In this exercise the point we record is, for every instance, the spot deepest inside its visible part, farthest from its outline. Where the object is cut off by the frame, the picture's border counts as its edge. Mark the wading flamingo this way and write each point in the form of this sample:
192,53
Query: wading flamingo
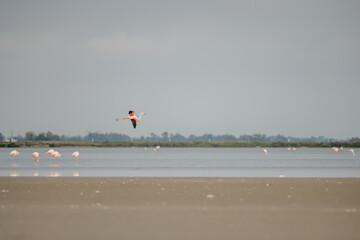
54,154
75,155
36,156
352,151
132,117
265,151
51,151
57,155
335,149
14,153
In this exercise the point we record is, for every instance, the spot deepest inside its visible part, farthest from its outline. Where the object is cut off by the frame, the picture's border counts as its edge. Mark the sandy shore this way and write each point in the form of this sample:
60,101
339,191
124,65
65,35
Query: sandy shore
179,208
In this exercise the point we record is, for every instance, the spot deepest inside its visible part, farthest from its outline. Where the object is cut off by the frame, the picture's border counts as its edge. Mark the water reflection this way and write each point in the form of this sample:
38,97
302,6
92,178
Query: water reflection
14,174
187,162
53,174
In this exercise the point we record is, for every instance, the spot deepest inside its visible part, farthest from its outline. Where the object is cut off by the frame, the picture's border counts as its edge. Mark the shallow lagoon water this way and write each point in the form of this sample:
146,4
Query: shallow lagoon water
184,162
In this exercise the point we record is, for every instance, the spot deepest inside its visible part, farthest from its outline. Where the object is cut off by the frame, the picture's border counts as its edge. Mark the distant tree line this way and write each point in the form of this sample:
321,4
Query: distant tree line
165,136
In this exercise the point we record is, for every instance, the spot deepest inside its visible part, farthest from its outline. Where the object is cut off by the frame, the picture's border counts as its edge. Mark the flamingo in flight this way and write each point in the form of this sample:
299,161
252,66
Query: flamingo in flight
132,117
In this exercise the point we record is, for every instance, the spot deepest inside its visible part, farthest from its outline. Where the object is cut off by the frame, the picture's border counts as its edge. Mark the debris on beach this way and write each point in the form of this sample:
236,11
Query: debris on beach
210,196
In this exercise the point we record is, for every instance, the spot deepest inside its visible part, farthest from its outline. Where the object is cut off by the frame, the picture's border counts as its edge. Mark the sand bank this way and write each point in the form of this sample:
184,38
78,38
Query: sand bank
179,208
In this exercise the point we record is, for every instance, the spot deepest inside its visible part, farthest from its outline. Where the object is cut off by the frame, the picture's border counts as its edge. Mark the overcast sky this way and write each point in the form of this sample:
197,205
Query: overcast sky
222,67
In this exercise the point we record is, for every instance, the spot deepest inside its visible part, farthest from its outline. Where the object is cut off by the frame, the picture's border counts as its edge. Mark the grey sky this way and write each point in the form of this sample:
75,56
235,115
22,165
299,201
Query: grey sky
236,67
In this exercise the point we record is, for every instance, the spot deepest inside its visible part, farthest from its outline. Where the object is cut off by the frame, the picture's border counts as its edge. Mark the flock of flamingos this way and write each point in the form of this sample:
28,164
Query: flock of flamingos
334,149
56,154
51,152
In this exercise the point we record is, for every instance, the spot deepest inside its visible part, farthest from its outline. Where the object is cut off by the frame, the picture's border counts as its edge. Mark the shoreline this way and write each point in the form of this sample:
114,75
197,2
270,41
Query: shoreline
179,208
178,144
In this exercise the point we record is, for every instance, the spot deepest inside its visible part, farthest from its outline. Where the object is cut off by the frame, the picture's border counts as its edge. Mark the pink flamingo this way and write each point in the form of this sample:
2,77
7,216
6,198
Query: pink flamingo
51,151
265,151
75,155
36,157
55,154
132,117
352,151
335,149
14,153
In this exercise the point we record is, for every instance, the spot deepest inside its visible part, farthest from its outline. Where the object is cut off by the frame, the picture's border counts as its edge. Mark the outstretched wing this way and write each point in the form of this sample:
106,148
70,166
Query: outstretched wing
134,122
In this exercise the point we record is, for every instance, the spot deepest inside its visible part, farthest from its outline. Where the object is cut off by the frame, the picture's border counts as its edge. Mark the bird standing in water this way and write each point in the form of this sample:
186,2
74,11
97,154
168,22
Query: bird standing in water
13,154
132,117
75,155
36,157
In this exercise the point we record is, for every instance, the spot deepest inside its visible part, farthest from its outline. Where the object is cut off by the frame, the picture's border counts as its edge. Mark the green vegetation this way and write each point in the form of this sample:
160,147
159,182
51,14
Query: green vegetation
185,144
51,140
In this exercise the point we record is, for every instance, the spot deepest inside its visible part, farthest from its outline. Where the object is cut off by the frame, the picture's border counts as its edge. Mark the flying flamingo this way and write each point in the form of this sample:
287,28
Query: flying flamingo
75,155
265,151
14,153
352,151
51,151
36,156
132,117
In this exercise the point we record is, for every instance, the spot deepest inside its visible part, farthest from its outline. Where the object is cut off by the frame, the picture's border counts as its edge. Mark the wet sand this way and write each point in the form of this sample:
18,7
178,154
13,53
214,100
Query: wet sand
179,208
